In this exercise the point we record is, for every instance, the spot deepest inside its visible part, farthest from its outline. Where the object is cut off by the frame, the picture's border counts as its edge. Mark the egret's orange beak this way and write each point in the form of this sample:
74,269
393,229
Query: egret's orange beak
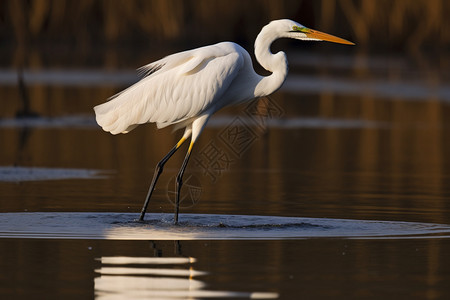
315,34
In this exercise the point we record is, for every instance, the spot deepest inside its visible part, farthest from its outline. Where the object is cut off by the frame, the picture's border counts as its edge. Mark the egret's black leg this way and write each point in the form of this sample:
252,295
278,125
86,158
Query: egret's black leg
158,171
180,182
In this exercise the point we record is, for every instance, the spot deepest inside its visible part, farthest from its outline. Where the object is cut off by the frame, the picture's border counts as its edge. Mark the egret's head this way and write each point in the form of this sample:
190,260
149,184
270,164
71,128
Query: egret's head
290,29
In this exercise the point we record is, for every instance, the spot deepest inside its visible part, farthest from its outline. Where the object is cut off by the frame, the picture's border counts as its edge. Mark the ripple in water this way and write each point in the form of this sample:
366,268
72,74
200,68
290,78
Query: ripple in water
124,226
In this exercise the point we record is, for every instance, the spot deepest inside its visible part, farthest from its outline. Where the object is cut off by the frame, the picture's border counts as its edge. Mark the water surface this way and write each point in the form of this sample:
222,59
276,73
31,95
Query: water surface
371,155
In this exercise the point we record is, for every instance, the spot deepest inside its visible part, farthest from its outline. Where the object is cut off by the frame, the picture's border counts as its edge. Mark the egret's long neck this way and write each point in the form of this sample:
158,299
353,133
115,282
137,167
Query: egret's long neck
275,63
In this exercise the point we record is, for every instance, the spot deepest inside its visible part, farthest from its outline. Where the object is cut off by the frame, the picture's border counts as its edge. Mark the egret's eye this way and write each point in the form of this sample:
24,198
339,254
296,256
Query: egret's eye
300,29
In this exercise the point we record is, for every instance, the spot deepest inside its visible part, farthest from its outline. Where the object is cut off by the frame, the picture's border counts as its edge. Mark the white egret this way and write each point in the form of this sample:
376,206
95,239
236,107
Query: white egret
186,88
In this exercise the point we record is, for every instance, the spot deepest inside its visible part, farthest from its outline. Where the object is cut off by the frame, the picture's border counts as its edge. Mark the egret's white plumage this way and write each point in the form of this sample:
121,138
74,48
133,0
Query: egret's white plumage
183,86
186,88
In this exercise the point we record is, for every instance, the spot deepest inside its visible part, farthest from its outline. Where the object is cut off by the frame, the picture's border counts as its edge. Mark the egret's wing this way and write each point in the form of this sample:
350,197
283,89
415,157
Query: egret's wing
184,86
187,59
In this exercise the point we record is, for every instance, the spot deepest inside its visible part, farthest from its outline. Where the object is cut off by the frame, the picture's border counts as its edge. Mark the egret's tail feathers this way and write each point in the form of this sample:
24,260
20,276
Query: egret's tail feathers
112,118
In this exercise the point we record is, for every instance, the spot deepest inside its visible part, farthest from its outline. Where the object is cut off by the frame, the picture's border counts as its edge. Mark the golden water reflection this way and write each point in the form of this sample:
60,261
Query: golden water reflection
349,269
158,277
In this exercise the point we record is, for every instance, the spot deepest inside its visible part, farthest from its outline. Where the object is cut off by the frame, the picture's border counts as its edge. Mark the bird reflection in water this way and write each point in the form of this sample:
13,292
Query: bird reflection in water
125,277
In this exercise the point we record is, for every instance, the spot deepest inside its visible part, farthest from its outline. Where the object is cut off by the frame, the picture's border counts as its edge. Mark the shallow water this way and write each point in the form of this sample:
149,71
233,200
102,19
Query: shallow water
125,226
345,187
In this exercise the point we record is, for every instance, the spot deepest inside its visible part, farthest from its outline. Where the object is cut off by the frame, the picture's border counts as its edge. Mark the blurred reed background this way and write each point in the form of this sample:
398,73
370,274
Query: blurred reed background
117,35
57,30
